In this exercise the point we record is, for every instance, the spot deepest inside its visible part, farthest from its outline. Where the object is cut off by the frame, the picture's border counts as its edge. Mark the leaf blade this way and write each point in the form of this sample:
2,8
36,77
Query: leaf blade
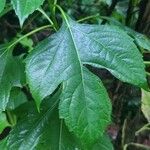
60,58
9,76
112,49
2,5
85,107
24,8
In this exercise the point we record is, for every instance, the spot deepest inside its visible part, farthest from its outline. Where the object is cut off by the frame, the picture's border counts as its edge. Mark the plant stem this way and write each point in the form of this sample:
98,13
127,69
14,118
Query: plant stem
147,73
46,16
144,128
88,17
11,118
80,20
52,7
63,13
137,145
147,62
28,34
123,132
129,13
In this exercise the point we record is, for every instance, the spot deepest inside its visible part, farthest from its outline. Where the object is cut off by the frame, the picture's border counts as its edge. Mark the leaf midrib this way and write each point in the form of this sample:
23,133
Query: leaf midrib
108,68
81,68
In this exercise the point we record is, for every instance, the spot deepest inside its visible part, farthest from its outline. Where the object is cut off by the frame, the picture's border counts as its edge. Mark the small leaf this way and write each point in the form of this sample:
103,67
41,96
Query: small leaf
140,39
56,136
17,97
9,75
2,5
3,122
26,134
24,8
85,106
146,104
26,42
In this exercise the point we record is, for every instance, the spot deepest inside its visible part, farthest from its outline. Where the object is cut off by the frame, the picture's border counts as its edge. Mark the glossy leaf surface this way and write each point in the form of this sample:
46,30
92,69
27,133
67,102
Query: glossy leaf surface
26,134
60,58
85,106
9,75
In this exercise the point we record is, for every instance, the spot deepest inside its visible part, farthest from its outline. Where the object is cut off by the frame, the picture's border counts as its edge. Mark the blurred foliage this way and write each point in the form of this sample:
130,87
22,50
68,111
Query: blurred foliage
129,125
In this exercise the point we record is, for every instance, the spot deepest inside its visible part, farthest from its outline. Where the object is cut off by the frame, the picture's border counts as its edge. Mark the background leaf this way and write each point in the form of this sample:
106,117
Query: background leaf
24,8
3,144
3,122
140,39
56,136
9,75
25,135
17,97
2,5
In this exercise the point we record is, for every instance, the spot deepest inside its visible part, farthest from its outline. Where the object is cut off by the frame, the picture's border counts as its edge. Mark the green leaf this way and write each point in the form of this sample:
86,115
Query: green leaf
3,144
85,106
2,5
35,131
90,2
57,58
56,136
87,2
140,39
9,75
111,48
26,42
17,97
3,122
146,104
24,8
60,58
103,144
